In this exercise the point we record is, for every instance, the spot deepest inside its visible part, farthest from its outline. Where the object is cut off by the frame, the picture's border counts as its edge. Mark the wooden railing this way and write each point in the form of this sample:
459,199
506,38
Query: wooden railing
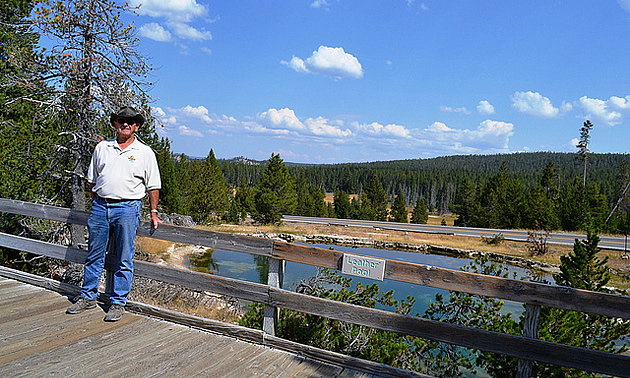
527,348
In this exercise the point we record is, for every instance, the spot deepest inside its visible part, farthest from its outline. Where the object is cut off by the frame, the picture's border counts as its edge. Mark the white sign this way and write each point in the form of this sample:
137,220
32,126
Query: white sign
362,266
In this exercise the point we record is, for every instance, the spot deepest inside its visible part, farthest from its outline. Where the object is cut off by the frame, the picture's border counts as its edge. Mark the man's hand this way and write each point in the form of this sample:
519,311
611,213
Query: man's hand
155,220
154,196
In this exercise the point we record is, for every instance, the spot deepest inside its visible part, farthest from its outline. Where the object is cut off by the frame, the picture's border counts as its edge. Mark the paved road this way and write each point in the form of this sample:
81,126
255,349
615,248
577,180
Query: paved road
559,238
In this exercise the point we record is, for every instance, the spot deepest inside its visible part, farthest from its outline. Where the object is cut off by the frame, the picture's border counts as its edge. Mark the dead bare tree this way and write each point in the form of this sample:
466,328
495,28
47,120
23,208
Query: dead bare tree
93,66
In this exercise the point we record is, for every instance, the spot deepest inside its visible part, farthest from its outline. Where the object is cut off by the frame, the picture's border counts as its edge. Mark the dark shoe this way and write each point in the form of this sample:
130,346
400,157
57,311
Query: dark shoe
80,304
115,313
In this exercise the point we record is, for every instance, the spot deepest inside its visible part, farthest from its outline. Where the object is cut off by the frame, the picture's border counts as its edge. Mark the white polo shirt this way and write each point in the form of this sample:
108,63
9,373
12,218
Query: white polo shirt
123,174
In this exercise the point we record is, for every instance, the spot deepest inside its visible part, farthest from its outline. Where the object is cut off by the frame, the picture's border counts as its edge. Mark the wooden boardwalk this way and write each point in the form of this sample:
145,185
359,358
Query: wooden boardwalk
38,339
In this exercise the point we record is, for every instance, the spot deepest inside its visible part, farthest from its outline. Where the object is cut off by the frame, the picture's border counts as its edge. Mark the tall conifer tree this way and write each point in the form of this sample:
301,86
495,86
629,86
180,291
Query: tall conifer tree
399,209
275,194
377,198
420,214
209,194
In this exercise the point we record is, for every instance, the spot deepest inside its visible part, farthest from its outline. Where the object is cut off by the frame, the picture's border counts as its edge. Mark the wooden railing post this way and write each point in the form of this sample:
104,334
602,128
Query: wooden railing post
530,330
276,275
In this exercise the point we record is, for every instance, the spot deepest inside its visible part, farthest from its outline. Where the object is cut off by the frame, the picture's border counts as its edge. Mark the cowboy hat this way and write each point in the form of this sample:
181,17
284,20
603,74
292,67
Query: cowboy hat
127,112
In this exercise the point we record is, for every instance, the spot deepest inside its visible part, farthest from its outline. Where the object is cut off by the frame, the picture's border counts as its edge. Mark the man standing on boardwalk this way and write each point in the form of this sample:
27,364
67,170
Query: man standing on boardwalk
120,171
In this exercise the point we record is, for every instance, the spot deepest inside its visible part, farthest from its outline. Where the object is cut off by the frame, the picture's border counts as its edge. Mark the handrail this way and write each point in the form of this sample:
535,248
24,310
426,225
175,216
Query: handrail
561,297
520,347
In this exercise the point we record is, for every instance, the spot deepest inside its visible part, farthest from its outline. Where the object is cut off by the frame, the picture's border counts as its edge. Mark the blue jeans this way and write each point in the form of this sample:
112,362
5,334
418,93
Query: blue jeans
121,220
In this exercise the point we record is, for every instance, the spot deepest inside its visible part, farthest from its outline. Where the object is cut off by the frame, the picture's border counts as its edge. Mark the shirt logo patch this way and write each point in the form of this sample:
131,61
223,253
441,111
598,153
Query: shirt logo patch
132,158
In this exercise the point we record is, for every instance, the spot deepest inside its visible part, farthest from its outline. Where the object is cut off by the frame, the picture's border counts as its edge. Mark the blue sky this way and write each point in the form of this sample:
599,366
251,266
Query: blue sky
335,81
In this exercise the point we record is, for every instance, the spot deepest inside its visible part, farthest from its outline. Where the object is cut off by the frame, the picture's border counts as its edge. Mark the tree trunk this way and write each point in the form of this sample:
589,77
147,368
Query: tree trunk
84,103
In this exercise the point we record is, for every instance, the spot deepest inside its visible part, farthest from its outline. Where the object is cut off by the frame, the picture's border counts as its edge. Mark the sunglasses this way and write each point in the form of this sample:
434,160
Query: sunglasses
127,121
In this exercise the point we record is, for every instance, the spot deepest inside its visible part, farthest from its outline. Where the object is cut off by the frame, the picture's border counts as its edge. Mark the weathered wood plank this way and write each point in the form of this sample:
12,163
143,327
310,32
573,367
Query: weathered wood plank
83,345
201,281
244,333
98,349
167,359
516,346
252,335
60,214
497,287
324,258
269,364
149,357
54,340
185,235
206,360
490,286
210,239
241,355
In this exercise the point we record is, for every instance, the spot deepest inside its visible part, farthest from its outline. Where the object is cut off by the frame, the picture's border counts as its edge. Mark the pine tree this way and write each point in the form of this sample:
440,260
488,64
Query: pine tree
399,209
573,206
275,194
28,133
209,195
467,205
364,208
341,202
420,214
245,198
377,198
582,145
582,269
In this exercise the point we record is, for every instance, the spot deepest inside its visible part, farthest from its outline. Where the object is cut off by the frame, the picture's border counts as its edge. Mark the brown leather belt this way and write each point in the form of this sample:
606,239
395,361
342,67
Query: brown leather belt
110,200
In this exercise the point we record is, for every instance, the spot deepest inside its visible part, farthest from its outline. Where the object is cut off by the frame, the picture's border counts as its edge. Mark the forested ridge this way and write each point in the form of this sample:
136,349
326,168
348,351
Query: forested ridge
425,173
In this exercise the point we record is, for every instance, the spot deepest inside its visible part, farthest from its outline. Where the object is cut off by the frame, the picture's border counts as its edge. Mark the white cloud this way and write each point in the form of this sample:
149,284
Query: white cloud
320,4
376,129
200,113
177,13
281,119
175,10
600,110
185,130
494,129
320,126
620,103
438,127
329,61
155,32
485,107
535,104
489,137
185,31
296,64
449,109
162,117
314,133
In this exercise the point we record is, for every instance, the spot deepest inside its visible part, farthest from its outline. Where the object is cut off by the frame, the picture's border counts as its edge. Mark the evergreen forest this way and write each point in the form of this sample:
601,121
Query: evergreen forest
540,190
